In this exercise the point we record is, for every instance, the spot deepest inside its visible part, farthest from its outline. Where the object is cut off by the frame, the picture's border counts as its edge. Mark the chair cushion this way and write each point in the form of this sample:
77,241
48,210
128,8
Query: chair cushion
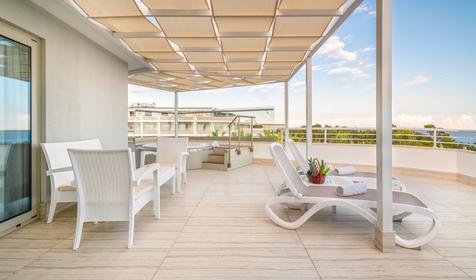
68,187
144,186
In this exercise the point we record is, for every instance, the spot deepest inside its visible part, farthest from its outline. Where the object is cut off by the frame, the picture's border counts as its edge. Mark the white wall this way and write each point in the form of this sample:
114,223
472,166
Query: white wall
467,163
84,87
429,159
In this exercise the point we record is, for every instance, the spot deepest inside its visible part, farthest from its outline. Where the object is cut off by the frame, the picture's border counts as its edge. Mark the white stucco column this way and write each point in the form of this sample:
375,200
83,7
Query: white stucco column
286,112
176,118
384,233
308,106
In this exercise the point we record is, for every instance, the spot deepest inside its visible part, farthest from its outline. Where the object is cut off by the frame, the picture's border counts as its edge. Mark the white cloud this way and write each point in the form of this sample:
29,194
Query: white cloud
345,70
355,72
410,120
364,9
15,122
368,49
297,83
266,88
353,121
335,48
317,67
418,80
462,122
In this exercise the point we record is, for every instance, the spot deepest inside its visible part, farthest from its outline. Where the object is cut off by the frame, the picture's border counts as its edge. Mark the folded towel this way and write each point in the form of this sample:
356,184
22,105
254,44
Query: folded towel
351,189
340,181
346,170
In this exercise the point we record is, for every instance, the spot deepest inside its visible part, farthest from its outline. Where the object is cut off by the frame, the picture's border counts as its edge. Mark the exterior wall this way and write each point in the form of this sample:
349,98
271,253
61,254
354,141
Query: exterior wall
83,86
429,159
426,159
467,163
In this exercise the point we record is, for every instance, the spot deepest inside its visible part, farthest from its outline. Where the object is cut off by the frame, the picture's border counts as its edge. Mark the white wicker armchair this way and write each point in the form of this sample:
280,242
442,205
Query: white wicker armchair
63,186
110,190
173,152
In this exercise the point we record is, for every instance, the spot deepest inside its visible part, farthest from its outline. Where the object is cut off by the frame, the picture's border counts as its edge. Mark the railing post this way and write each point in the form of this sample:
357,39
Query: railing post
176,117
325,135
229,145
435,139
158,125
142,127
286,115
308,107
251,149
239,135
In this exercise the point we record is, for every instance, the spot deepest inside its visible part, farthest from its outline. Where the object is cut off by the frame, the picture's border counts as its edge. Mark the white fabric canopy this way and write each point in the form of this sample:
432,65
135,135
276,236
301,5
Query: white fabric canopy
206,44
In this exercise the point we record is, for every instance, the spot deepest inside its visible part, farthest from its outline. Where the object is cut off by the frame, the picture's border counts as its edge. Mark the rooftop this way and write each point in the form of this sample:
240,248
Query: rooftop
222,225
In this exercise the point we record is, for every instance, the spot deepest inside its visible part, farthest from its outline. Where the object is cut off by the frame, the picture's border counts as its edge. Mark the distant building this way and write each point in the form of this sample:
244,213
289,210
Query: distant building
147,119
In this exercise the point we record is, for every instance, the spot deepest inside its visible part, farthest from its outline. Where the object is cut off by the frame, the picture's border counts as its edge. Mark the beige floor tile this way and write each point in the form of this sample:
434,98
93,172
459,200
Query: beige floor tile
389,269
216,228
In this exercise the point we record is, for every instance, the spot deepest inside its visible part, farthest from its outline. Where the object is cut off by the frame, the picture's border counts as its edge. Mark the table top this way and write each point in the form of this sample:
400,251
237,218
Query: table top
192,147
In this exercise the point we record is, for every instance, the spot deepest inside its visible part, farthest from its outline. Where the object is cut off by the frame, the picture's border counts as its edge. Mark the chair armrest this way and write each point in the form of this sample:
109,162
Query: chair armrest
141,173
58,170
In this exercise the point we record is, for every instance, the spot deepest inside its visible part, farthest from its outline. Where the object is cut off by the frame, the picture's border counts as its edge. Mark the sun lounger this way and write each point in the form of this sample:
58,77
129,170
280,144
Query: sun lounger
322,197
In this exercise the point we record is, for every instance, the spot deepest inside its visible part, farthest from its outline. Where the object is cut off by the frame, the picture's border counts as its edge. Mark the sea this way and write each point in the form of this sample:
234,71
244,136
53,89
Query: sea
464,136
14,136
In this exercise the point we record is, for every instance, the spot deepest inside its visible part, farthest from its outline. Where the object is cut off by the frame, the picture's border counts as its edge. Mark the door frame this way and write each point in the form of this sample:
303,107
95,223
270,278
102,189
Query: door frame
33,42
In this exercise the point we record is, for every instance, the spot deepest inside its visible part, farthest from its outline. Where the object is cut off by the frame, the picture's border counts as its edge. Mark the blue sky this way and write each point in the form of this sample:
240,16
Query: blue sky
434,45
14,112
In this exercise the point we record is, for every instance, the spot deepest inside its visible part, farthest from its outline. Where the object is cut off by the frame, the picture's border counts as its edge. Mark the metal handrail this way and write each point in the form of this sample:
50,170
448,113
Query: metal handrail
420,136
237,119
432,135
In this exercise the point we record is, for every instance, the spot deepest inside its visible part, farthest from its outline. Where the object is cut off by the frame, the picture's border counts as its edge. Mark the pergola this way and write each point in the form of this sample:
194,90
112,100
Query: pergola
193,45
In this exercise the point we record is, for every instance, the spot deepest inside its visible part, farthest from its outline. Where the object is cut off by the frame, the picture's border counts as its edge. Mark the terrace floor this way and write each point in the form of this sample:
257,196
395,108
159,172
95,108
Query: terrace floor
217,229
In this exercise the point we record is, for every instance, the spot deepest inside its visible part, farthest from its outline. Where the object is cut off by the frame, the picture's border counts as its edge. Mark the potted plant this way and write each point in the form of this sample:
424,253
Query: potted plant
318,170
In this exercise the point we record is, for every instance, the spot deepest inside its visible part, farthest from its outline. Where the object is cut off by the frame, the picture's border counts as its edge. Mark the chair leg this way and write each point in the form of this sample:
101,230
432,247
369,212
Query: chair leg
174,185
51,212
156,197
184,173
178,178
77,236
157,204
131,232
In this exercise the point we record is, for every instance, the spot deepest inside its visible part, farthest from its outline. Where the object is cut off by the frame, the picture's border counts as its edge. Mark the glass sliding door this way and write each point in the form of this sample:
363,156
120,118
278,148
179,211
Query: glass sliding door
16,161
15,129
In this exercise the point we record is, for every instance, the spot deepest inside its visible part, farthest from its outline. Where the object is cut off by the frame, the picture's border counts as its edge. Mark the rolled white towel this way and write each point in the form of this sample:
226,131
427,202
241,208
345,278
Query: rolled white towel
351,189
215,144
346,170
340,181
